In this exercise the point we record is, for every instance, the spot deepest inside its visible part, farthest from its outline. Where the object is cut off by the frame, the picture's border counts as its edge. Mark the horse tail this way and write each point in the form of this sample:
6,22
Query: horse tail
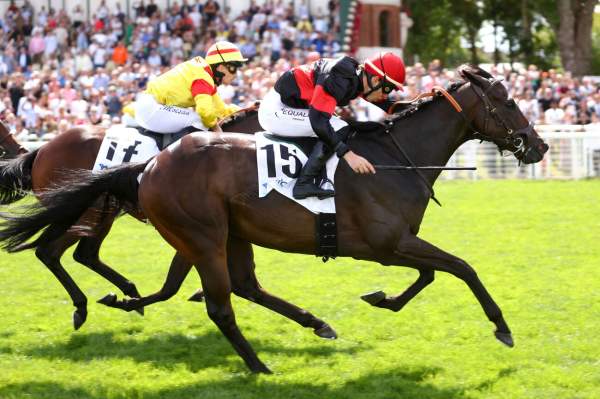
15,177
61,207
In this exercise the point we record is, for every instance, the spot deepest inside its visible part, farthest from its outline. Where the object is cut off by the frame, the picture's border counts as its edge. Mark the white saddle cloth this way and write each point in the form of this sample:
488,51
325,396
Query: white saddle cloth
123,144
279,164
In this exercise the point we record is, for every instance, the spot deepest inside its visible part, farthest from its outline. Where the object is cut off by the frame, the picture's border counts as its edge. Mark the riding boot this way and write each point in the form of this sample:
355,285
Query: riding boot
306,184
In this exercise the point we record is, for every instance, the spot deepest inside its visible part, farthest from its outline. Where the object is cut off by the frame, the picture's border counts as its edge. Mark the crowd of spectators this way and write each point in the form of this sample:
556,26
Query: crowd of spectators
58,69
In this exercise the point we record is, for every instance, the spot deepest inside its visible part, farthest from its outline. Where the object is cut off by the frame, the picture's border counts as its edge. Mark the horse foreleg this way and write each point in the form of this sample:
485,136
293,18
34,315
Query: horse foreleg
415,252
88,254
49,254
178,270
240,260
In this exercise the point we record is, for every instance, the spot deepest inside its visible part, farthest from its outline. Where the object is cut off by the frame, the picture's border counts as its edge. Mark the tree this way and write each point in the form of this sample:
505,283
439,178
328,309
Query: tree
572,22
436,32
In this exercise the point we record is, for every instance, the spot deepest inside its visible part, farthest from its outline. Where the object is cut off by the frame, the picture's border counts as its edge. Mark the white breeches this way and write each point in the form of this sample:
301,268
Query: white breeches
281,120
161,118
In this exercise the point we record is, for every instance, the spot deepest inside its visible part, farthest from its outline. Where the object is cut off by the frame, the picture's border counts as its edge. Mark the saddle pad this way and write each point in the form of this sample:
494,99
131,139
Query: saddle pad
123,144
279,164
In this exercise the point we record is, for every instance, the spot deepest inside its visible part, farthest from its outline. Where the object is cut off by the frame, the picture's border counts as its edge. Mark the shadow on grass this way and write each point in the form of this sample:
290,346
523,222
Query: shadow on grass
408,384
171,350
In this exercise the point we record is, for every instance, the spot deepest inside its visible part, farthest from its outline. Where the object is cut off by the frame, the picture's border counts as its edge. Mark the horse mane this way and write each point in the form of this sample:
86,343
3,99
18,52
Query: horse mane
423,103
235,118
463,71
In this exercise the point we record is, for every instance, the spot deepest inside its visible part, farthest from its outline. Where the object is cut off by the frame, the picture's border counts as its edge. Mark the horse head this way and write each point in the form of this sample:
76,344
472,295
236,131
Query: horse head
9,147
498,119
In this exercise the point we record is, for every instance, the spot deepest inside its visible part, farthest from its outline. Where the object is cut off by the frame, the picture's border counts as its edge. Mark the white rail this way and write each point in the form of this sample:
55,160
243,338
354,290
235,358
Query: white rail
574,154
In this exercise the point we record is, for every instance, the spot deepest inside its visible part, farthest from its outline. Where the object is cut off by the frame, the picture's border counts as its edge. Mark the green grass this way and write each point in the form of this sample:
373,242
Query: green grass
534,245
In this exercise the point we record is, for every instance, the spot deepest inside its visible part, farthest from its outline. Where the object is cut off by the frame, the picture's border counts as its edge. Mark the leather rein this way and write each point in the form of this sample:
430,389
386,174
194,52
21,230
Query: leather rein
490,110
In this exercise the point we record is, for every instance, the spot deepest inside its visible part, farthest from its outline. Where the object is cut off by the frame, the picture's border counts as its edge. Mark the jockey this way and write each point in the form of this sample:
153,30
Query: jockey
320,87
164,107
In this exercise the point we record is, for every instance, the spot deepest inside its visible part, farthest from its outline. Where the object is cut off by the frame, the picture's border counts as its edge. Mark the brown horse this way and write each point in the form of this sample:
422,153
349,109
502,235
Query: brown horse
378,215
44,168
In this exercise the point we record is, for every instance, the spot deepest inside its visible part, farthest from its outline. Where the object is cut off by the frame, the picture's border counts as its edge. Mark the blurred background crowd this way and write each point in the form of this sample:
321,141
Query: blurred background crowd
57,71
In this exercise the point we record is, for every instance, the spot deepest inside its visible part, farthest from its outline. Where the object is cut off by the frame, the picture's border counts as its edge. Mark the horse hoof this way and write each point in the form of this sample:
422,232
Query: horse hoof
505,338
79,317
326,332
108,300
261,368
197,297
373,298
140,311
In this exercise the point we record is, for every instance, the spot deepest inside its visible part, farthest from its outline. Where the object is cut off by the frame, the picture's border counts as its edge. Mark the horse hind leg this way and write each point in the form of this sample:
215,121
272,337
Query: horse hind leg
88,254
240,259
178,270
205,245
49,254
217,288
396,303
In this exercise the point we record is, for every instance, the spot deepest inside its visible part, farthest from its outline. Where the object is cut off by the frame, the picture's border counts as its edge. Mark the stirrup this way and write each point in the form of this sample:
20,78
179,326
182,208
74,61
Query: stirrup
311,190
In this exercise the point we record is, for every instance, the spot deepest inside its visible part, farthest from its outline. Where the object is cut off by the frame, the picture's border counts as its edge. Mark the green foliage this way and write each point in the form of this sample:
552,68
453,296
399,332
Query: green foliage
596,45
440,25
534,245
435,33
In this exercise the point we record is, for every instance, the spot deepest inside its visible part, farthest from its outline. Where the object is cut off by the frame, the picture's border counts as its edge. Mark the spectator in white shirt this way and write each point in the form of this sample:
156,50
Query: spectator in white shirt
554,115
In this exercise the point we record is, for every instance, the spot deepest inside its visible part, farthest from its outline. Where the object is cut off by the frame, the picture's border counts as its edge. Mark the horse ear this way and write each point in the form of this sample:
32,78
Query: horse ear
472,76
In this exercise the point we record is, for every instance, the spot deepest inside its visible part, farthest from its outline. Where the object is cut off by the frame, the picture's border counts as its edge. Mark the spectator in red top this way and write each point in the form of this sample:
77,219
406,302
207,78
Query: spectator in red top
119,55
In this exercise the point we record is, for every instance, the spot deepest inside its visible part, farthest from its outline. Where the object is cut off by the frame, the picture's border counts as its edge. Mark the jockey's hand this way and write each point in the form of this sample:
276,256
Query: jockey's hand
358,163
253,107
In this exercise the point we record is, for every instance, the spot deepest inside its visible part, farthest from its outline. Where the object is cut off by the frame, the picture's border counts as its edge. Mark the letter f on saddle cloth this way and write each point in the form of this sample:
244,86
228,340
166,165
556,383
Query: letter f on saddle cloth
320,87
186,95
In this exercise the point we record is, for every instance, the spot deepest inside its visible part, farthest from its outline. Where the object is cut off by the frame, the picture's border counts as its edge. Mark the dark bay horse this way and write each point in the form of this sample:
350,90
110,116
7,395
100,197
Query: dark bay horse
45,167
212,218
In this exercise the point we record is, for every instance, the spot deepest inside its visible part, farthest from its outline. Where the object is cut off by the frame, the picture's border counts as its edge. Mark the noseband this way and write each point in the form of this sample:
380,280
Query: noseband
513,136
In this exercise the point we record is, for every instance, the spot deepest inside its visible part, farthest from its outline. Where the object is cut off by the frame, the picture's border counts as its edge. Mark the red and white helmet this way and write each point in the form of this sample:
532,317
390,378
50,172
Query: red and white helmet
388,66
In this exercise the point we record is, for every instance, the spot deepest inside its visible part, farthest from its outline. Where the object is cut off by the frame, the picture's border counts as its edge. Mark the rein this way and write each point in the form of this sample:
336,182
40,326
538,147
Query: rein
436,90
490,110
234,115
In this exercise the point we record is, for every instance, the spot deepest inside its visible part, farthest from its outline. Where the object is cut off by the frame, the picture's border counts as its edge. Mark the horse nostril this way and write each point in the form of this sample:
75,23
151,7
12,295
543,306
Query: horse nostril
543,148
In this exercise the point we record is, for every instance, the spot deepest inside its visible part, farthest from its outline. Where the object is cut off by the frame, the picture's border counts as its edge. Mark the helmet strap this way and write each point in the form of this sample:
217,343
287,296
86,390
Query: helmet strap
217,75
370,84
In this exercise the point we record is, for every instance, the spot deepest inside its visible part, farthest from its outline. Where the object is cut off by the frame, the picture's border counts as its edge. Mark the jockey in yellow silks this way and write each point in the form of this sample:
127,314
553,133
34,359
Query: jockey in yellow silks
186,95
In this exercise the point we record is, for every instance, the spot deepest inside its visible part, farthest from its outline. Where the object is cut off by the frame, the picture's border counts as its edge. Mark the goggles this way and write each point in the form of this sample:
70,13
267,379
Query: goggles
233,66
387,87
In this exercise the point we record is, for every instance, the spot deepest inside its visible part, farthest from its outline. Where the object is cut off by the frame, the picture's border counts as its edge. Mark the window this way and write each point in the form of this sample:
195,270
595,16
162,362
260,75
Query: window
384,29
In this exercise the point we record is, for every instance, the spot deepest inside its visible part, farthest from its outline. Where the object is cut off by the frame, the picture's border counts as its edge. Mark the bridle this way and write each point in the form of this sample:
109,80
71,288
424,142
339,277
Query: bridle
514,137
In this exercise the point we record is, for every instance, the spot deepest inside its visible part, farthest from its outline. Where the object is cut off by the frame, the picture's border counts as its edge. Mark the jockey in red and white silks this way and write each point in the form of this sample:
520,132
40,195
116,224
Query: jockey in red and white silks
304,99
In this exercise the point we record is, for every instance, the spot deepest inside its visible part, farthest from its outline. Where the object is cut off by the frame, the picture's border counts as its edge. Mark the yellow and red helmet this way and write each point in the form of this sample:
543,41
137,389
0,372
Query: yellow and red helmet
224,52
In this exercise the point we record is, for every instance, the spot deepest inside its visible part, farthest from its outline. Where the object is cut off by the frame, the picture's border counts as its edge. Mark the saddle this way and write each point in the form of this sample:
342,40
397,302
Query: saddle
164,140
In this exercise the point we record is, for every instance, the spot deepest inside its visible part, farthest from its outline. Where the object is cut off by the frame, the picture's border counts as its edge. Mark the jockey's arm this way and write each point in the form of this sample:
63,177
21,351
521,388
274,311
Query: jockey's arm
222,109
206,110
321,125
321,107
320,110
